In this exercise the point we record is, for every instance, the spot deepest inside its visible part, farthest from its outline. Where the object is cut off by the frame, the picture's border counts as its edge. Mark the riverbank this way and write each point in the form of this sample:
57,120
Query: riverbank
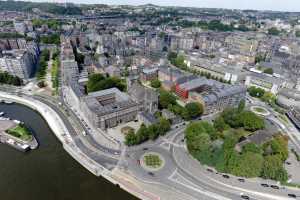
57,126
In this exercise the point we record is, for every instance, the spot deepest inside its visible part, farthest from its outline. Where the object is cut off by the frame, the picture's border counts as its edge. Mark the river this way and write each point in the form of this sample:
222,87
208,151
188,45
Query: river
47,173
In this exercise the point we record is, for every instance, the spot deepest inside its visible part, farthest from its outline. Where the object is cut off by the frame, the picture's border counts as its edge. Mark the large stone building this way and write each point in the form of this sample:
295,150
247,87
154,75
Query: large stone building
147,98
108,108
213,95
267,82
19,63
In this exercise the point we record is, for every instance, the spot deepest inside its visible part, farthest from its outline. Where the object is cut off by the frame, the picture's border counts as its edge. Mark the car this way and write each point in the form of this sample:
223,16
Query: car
138,162
288,163
225,176
245,197
145,149
182,140
292,195
275,187
151,173
264,185
241,180
209,170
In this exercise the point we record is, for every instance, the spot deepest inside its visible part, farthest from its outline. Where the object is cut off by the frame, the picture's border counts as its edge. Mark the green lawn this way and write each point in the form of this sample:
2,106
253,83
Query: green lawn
152,160
20,131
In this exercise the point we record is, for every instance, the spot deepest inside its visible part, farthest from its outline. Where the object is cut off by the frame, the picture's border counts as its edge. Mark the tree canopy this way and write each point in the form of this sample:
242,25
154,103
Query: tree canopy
166,99
145,133
98,82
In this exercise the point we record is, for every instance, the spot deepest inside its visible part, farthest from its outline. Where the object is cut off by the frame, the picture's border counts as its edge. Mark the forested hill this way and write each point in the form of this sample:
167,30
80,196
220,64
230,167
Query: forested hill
70,9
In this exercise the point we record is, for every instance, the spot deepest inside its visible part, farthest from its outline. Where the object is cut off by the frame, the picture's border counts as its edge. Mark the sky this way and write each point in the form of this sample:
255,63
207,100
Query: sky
277,5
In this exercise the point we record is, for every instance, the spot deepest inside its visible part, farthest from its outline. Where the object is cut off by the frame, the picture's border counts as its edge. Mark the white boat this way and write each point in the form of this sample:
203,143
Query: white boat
17,121
1,114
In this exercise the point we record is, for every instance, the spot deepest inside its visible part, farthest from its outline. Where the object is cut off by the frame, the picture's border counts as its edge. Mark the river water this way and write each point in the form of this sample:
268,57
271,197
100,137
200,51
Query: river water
47,173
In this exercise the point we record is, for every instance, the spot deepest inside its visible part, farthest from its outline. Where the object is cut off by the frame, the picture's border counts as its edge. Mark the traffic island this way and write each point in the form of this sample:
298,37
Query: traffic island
260,110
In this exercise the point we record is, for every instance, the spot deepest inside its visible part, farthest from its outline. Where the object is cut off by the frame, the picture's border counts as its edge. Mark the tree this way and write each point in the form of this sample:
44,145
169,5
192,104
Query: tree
260,57
249,165
142,134
153,131
155,83
297,33
231,117
195,129
163,126
250,121
130,139
279,145
273,31
194,109
98,82
268,97
268,71
166,98
241,106
200,142
41,84
273,168
6,78
251,147
256,92
220,124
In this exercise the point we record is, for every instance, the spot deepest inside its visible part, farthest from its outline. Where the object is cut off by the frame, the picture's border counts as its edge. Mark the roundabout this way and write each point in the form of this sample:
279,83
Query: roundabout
152,161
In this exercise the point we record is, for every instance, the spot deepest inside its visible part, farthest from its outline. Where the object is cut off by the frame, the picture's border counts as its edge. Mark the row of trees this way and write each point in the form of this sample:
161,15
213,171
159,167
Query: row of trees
215,25
98,82
6,78
51,23
42,65
55,74
145,133
216,145
178,61
51,39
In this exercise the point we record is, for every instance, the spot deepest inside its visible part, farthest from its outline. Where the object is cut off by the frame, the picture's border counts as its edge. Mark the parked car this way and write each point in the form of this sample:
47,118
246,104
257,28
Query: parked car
264,185
245,197
209,170
275,187
225,176
241,180
292,195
